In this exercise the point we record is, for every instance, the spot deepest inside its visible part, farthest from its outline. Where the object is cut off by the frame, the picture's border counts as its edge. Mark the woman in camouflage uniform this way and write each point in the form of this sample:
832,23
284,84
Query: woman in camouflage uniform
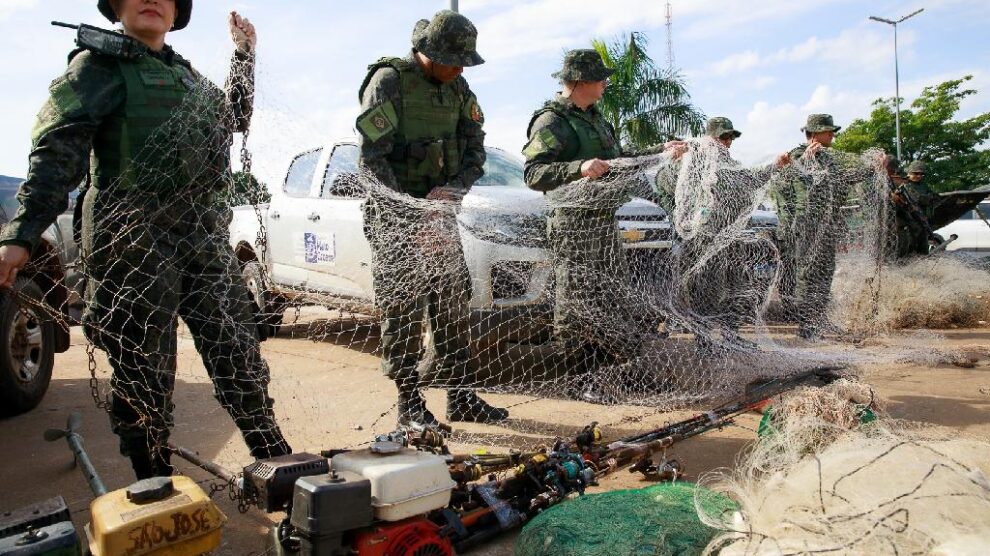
155,137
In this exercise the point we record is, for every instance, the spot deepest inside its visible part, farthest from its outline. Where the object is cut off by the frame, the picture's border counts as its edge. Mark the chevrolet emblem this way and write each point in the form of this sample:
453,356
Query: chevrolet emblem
633,235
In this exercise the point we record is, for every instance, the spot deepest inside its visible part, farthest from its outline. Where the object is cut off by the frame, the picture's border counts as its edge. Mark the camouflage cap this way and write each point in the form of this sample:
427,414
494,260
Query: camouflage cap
584,64
449,39
818,123
720,126
916,167
183,9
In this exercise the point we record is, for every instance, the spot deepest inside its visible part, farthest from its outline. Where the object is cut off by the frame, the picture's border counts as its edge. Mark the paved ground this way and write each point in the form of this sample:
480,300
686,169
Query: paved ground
326,391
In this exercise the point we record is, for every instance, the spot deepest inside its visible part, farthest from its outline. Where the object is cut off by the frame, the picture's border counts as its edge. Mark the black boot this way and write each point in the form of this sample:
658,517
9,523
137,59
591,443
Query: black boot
464,405
147,465
412,408
266,441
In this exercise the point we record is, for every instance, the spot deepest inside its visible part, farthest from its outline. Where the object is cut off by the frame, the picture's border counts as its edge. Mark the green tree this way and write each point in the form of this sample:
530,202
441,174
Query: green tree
953,150
646,105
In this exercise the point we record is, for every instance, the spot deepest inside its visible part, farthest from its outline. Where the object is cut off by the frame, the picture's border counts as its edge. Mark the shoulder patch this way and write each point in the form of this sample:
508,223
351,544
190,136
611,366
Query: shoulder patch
474,111
378,121
63,97
543,141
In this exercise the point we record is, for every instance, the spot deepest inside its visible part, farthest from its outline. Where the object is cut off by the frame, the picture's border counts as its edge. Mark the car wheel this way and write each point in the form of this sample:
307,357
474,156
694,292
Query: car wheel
27,349
269,307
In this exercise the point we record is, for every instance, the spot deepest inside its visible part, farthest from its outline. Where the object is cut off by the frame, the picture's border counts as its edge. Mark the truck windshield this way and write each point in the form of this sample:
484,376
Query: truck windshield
501,169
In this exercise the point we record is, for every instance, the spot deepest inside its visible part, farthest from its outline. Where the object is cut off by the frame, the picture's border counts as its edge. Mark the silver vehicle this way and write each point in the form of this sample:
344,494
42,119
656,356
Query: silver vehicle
502,227
30,335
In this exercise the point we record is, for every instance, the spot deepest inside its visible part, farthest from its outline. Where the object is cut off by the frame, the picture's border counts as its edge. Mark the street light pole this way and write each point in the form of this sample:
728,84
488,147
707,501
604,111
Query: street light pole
897,76
453,5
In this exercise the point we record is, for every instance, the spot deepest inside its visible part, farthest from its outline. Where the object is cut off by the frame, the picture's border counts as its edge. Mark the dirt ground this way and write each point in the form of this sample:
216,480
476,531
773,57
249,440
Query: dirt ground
331,396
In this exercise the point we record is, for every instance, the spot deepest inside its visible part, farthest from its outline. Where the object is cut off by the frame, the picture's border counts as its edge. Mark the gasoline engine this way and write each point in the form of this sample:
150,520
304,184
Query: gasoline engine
370,502
163,516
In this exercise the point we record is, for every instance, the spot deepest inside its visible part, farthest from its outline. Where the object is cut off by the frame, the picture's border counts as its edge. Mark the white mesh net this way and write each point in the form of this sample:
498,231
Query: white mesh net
590,296
823,482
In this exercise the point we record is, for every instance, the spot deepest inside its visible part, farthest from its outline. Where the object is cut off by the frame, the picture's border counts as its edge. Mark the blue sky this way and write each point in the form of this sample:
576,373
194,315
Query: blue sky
765,65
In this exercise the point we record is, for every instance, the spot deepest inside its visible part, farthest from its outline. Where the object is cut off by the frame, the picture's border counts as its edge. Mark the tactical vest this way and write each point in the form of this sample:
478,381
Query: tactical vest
427,151
166,137
595,138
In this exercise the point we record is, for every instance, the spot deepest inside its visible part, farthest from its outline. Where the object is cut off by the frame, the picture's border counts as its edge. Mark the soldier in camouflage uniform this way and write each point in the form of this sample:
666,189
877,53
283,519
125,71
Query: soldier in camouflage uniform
158,135
721,289
912,235
421,136
569,139
812,223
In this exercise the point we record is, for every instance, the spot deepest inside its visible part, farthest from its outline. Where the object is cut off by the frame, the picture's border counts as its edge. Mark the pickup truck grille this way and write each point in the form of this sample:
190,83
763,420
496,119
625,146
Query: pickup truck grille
633,234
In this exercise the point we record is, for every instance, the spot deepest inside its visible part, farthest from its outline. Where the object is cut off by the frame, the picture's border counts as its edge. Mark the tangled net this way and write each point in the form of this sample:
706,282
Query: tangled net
671,270
936,292
815,486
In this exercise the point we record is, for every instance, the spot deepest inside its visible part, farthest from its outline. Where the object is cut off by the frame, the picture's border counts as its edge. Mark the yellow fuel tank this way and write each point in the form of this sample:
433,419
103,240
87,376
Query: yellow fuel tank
153,519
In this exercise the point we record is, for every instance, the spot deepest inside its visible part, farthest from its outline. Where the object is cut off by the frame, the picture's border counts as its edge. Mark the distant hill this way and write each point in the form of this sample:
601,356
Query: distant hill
6,181
8,203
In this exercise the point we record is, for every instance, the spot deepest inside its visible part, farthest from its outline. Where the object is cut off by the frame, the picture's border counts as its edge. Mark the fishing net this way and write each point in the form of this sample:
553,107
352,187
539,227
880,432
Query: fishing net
658,520
936,292
665,284
880,488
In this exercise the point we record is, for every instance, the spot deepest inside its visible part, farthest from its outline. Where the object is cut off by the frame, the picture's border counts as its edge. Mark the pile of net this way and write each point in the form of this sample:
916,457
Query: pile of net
659,520
646,288
820,483
935,292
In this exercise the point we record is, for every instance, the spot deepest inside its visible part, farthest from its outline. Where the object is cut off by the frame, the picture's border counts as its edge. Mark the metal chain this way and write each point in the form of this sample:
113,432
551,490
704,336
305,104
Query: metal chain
261,240
94,383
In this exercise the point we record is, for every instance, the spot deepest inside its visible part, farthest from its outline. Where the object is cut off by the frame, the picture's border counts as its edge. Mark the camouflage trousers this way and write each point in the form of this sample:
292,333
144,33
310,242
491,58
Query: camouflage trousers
150,261
718,288
593,305
814,256
909,239
420,279
787,271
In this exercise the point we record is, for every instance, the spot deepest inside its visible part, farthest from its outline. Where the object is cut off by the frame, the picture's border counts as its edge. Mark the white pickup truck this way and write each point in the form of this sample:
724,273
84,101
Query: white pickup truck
315,251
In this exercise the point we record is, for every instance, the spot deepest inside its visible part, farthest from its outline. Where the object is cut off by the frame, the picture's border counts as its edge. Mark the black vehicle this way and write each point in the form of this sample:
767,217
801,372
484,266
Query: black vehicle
32,332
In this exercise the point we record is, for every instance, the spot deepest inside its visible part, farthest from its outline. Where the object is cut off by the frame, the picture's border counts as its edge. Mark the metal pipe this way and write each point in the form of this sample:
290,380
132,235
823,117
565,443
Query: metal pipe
89,471
75,441
897,97
897,76
206,465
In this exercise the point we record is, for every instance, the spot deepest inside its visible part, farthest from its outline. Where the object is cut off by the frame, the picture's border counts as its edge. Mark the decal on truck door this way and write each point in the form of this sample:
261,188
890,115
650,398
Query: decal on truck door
319,248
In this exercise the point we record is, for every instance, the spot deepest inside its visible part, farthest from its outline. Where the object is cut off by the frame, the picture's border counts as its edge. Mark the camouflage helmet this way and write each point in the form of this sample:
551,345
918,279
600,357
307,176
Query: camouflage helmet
183,11
916,167
720,126
584,64
449,39
818,123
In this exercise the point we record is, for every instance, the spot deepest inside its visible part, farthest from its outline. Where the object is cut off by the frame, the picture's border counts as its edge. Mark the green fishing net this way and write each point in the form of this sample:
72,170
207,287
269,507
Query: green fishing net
658,520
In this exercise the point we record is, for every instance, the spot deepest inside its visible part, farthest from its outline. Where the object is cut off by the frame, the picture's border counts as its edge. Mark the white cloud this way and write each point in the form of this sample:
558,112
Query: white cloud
857,50
736,63
770,129
8,7
560,24
716,19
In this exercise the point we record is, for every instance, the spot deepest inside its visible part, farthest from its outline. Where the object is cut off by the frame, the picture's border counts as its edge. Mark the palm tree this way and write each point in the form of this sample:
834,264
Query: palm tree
646,105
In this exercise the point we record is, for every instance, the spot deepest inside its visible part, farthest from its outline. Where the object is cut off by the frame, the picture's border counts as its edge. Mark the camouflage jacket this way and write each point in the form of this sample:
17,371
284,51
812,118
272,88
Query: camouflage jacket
383,87
90,91
922,196
796,192
551,150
